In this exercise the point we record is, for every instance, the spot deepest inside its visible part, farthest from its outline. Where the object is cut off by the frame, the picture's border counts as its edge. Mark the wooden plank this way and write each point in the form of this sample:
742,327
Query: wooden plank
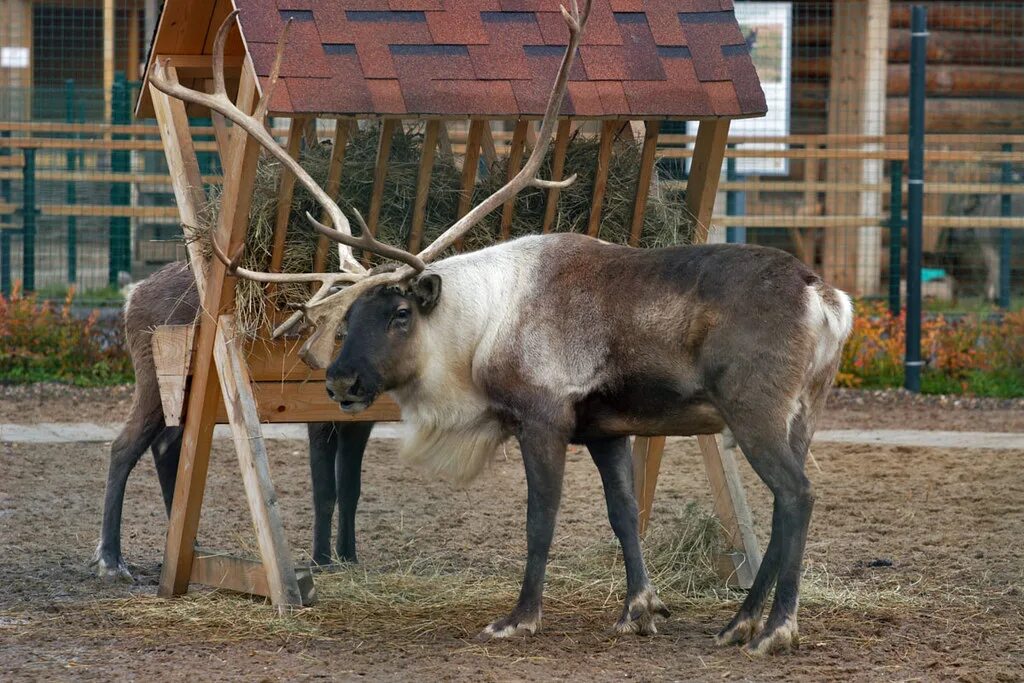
730,503
643,181
705,170
426,169
205,391
285,192
557,168
300,402
244,575
251,449
108,58
172,358
515,161
647,453
380,172
604,157
487,146
470,165
333,186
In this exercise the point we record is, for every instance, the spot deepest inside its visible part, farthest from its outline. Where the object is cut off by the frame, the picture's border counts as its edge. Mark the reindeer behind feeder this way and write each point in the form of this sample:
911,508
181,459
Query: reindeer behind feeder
560,338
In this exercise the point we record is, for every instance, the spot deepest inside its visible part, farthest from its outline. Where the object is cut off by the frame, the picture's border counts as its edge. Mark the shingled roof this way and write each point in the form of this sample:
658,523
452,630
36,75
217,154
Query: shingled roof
498,58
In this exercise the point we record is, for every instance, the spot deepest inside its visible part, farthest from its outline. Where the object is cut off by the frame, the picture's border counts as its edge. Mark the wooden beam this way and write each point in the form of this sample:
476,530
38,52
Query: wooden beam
243,575
730,503
285,192
490,152
646,465
254,464
205,392
604,156
380,171
134,54
333,186
426,169
108,58
515,160
557,168
470,165
705,169
643,181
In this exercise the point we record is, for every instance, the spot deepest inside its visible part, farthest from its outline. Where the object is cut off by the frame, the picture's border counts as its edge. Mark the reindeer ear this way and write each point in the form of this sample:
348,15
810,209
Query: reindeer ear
426,289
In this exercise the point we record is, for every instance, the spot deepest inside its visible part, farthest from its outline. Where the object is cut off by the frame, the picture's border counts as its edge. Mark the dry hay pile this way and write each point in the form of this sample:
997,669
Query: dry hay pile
666,220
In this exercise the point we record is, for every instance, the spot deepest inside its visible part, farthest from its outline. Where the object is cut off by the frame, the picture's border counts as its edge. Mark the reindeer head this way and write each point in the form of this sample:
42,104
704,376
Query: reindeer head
381,309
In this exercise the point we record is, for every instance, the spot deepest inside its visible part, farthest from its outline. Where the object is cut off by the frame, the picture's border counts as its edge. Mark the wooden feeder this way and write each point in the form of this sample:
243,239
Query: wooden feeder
641,61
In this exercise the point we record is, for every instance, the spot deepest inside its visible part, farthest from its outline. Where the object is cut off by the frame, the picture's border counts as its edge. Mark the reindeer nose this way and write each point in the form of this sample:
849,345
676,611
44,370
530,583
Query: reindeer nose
345,388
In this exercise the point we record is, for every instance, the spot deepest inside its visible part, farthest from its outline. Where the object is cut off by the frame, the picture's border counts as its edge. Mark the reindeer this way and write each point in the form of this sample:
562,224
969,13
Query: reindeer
169,297
557,339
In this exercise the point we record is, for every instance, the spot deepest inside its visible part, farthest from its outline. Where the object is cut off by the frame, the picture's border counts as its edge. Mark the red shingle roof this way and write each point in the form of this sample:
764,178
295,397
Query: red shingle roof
639,58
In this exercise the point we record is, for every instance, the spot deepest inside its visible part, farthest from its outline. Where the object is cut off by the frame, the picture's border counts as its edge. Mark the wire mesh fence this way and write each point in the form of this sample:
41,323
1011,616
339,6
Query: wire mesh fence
85,199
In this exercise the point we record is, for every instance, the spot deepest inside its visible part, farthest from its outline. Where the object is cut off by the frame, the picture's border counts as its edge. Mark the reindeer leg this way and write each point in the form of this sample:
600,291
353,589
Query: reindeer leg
349,463
614,461
544,458
166,451
778,459
323,448
144,422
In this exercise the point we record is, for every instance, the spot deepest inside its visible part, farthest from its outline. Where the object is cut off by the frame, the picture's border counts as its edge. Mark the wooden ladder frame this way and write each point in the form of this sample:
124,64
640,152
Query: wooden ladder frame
245,384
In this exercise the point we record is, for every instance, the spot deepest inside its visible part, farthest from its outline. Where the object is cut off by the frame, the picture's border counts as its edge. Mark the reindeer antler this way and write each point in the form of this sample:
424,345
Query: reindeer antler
326,310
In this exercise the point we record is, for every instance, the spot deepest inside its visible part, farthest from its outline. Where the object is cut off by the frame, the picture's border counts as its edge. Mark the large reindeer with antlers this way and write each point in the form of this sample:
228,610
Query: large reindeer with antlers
559,339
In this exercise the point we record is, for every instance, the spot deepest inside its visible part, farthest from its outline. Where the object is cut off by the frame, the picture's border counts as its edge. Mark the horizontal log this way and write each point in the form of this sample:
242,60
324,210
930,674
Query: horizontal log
243,575
989,18
949,47
788,220
954,115
960,80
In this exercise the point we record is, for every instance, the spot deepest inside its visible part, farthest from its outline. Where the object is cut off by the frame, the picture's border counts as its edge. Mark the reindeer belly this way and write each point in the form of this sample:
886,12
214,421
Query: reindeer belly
646,406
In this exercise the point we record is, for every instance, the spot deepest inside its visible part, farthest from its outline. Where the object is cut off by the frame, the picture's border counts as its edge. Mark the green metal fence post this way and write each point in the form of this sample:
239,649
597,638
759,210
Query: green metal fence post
5,226
895,233
120,193
1005,235
28,221
915,196
70,192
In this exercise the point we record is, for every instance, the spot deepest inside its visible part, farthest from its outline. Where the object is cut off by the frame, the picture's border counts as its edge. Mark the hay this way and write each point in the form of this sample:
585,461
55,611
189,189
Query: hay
666,220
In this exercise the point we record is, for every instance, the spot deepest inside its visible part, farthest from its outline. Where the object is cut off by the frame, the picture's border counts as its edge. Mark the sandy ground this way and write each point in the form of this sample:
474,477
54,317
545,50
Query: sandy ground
950,606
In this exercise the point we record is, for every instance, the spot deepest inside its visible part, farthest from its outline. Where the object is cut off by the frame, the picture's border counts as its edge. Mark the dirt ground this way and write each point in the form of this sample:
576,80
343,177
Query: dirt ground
914,566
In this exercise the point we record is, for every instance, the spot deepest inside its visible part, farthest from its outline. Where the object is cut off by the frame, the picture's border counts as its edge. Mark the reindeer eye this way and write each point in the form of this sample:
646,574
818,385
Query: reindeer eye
402,314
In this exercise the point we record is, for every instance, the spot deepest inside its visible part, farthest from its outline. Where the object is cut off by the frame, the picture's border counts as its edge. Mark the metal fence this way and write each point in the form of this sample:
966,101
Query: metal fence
84,197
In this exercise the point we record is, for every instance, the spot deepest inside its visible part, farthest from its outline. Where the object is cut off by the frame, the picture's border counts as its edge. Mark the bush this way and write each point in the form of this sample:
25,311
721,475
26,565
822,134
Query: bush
968,355
41,343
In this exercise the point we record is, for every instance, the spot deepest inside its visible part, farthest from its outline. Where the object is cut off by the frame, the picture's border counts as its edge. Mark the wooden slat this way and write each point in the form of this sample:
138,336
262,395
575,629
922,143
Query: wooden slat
380,172
604,156
515,160
643,181
244,575
244,419
557,168
301,402
470,165
704,172
333,186
285,191
419,209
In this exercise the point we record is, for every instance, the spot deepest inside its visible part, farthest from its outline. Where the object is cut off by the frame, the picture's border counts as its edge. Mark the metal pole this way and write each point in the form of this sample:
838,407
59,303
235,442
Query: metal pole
895,233
28,221
915,196
119,259
5,226
70,192
1005,235
735,204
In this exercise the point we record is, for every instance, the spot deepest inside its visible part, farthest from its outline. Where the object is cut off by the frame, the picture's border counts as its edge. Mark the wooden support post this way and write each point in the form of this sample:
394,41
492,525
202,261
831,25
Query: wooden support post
643,181
205,394
337,164
646,465
515,160
487,147
253,461
108,58
470,164
604,157
380,174
730,503
705,169
419,209
285,191
134,55
557,168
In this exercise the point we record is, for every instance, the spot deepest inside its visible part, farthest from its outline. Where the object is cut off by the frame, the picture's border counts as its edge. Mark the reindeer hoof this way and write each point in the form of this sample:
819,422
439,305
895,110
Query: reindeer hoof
782,638
739,631
511,626
642,613
111,568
